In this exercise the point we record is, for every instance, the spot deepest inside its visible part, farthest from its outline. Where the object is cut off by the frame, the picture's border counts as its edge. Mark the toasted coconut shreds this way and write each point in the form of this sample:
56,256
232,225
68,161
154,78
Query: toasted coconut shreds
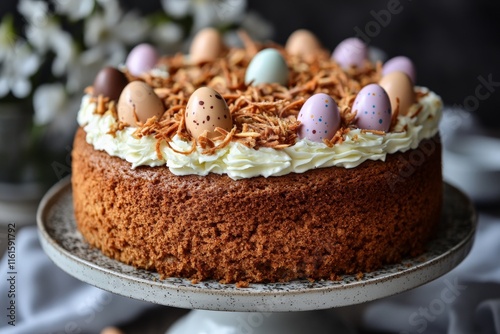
375,132
117,127
395,114
264,115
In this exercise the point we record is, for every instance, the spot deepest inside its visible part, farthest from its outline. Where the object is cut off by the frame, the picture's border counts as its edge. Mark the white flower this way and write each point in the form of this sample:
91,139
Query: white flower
75,9
7,37
17,67
57,112
51,37
167,35
48,101
34,12
257,27
131,29
85,67
206,12
229,11
112,9
107,35
113,25
254,25
177,8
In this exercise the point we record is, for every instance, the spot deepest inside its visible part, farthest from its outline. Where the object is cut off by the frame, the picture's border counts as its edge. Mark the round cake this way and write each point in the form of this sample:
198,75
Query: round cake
258,164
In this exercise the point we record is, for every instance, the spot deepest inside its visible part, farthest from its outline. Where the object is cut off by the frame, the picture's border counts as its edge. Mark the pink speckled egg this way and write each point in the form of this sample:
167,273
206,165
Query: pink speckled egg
206,109
141,58
319,117
351,52
402,64
373,108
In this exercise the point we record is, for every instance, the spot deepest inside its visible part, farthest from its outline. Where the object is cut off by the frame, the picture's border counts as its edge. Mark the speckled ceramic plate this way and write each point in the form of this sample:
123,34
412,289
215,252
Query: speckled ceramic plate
66,247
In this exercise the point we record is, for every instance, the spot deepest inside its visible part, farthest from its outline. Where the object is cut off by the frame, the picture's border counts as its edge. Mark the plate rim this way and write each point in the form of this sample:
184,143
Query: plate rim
50,245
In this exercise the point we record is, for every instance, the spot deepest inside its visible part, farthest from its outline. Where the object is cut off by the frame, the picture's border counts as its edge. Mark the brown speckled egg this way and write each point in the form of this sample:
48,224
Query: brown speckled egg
207,45
109,82
206,110
138,102
399,85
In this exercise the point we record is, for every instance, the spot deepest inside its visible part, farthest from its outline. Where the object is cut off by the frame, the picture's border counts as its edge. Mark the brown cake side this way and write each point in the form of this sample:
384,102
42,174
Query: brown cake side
318,225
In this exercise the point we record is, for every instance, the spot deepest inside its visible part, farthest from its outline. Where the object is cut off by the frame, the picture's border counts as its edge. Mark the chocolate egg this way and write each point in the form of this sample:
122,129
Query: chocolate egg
303,43
319,118
267,66
373,108
402,64
207,45
206,109
141,58
399,85
138,102
109,82
351,52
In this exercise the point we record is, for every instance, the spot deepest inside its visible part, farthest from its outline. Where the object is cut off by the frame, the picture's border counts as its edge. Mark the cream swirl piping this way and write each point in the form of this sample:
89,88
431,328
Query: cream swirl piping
239,161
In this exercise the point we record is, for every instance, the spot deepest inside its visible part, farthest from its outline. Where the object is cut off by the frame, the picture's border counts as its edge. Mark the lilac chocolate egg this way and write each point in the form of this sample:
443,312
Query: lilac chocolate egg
319,117
401,64
141,59
373,108
351,52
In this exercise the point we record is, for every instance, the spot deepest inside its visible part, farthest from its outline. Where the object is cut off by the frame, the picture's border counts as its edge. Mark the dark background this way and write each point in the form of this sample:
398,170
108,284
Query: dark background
452,42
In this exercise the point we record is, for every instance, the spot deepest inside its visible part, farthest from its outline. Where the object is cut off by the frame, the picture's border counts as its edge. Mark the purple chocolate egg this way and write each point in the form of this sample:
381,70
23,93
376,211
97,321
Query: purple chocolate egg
319,117
400,64
141,59
373,108
351,52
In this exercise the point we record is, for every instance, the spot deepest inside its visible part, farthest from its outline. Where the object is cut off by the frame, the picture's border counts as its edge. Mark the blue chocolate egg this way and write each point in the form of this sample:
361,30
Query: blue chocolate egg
267,66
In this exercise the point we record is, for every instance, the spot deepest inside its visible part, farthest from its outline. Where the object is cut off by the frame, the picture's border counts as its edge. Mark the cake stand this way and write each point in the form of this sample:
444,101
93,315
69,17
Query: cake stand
260,308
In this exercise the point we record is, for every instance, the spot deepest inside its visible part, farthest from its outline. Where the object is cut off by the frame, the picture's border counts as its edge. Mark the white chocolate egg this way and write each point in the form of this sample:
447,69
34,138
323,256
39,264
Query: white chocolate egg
206,110
207,45
398,85
138,102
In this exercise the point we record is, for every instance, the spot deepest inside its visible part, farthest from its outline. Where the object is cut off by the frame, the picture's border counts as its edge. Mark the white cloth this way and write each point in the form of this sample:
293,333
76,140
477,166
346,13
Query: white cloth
49,301
464,301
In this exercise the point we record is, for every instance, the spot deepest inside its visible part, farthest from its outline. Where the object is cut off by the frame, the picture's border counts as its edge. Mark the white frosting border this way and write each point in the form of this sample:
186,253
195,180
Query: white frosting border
239,161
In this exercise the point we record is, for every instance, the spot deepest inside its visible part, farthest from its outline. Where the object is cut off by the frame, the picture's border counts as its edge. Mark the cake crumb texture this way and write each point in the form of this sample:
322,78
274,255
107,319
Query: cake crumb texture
320,224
